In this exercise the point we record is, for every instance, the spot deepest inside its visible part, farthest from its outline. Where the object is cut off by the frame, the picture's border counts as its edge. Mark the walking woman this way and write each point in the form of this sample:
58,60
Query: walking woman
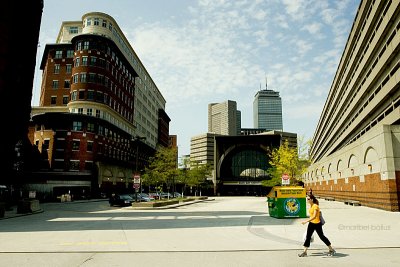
314,224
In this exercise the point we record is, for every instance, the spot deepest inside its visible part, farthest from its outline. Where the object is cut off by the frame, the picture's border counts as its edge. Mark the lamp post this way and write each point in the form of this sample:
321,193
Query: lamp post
137,139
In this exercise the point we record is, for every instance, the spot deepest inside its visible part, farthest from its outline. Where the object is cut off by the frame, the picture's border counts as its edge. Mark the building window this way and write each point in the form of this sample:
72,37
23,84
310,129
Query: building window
68,68
104,24
65,100
89,22
84,61
83,78
88,165
89,147
73,30
93,61
79,46
58,54
56,68
110,26
74,95
90,127
75,145
67,84
85,45
92,77
74,165
70,53
76,78
58,164
97,113
77,126
90,95
81,94
77,62
80,110
101,130
55,84
53,100
96,21
89,112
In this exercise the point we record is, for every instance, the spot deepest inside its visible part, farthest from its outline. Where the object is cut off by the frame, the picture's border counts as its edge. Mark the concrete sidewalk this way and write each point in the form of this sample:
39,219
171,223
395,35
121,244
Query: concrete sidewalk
223,232
12,213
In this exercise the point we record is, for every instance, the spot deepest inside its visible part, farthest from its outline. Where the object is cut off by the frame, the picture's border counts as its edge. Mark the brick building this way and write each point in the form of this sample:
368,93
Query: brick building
100,112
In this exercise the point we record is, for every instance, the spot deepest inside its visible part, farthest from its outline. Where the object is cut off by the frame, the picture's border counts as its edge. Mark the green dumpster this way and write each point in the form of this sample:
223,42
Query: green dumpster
287,202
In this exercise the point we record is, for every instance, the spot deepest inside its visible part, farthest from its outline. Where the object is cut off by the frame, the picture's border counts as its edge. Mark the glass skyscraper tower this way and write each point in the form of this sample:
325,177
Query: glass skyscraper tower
267,110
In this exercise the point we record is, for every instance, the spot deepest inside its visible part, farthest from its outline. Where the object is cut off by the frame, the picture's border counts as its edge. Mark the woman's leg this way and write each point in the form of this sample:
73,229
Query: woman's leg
310,231
320,232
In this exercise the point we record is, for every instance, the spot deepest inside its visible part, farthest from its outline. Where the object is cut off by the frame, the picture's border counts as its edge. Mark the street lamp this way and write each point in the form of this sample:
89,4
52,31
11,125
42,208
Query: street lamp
137,139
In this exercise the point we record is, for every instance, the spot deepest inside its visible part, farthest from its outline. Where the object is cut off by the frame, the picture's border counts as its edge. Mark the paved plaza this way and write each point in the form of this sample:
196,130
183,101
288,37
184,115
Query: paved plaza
222,231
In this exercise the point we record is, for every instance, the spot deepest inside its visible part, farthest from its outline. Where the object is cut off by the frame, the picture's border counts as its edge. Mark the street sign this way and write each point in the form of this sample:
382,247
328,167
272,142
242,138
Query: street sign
285,179
136,179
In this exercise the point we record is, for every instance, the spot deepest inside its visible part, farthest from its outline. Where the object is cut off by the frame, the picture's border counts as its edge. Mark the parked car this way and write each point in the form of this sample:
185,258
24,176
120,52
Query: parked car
121,200
166,195
177,194
146,197
155,195
141,197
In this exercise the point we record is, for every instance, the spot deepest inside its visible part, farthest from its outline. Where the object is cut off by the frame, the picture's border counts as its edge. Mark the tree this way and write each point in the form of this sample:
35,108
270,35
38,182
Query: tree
198,174
162,168
286,160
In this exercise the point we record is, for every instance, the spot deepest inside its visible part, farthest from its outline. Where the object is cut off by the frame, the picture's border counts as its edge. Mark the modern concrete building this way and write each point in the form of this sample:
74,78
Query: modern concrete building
356,146
101,115
267,110
223,118
202,148
241,162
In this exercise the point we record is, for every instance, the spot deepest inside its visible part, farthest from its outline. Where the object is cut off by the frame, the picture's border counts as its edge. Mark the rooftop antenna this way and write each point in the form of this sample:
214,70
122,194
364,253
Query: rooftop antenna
266,82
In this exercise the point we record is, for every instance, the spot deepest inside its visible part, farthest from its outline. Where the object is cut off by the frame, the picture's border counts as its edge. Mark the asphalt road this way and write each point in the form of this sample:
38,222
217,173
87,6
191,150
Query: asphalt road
225,231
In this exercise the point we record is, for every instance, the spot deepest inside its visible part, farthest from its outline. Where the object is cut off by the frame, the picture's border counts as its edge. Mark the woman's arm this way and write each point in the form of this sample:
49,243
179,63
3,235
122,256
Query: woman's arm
311,218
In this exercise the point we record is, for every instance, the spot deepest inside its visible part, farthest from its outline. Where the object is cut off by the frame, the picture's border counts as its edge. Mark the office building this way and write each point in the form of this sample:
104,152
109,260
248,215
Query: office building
355,151
100,116
267,110
202,148
223,118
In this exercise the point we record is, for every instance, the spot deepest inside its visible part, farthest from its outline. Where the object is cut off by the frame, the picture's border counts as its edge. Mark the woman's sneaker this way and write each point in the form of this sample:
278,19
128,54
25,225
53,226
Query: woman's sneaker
331,252
303,254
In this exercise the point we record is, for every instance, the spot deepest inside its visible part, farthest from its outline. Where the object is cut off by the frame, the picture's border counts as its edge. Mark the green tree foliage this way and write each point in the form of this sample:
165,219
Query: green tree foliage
198,173
286,160
162,168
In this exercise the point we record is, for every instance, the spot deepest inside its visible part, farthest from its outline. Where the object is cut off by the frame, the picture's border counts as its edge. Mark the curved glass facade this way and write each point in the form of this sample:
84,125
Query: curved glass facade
248,164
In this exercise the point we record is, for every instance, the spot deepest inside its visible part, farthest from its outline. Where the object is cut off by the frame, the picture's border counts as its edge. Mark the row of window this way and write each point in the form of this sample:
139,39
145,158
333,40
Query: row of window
55,84
355,66
99,79
98,96
134,62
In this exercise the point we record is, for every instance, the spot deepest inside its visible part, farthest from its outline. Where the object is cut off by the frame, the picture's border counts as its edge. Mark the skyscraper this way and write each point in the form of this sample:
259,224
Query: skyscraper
223,118
267,110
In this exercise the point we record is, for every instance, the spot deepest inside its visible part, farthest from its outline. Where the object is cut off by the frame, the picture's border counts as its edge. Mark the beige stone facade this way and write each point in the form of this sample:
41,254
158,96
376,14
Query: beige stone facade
355,151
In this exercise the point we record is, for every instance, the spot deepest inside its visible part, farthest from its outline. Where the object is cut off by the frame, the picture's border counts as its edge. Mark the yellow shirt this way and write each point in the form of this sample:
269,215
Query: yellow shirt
314,209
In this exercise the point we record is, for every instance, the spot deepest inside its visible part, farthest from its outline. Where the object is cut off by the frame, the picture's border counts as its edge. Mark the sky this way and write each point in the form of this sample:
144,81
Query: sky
209,51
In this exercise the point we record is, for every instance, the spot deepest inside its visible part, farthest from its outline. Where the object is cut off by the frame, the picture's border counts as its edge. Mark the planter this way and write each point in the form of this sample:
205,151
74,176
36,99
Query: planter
154,204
